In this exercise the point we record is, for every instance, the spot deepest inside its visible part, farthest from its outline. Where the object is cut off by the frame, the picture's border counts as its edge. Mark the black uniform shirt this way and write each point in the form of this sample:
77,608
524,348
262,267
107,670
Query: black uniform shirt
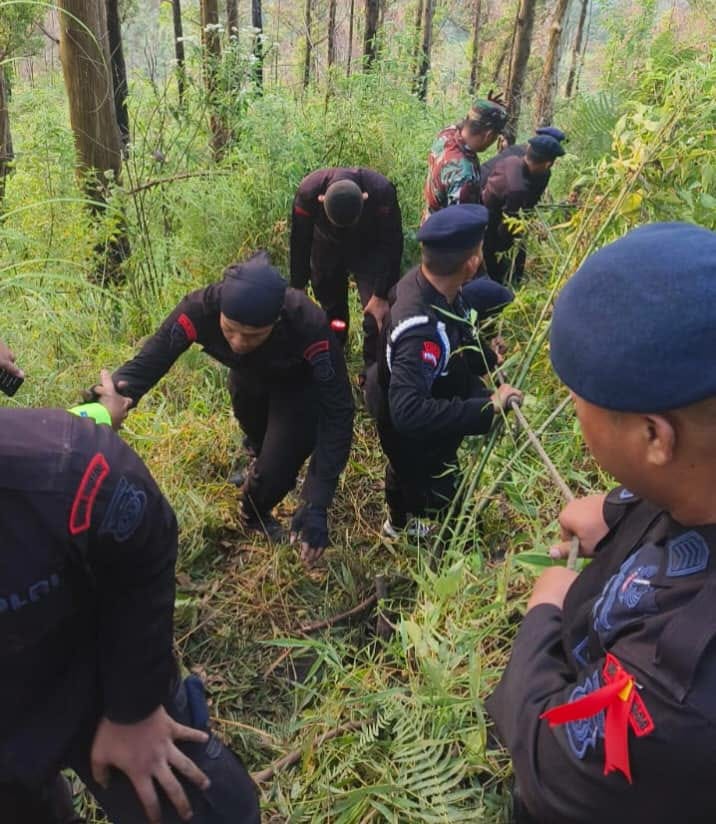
375,241
86,586
649,600
300,348
429,369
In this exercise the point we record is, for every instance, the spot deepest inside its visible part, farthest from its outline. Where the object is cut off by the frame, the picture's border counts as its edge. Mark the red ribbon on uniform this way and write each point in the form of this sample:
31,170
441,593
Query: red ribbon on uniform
617,699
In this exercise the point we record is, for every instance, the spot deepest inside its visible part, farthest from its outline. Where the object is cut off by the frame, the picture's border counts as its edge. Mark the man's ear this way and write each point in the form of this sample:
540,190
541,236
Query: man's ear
365,195
321,198
660,438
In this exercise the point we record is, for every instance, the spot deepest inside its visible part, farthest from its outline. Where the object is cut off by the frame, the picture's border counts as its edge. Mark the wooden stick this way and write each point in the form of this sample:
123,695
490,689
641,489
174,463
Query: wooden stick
294,756
364,606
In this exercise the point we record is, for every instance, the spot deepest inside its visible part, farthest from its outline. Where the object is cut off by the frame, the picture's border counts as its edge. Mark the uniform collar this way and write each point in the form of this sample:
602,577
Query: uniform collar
432,296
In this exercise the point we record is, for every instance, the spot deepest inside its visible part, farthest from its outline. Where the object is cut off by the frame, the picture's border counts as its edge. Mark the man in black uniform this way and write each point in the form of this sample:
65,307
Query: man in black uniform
518,149
426,391
515,183
608,703
347,220
86,609
288,384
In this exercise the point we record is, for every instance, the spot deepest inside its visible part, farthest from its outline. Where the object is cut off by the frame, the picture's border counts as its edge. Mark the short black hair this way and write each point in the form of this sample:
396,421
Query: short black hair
535,157
443,263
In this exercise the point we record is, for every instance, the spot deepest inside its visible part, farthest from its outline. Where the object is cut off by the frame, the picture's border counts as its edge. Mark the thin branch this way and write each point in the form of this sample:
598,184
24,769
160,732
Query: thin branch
161,181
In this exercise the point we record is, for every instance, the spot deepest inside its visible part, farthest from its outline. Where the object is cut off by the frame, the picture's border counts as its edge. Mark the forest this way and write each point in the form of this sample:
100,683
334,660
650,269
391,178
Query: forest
144,146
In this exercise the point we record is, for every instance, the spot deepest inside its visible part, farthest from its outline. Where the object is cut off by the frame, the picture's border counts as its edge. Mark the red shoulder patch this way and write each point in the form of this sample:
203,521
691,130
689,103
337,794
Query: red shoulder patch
92,480
189,329
430,353
310,352
298,210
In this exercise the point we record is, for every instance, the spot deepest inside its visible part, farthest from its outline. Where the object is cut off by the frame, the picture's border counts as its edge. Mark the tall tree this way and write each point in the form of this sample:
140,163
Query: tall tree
86,67
6,151
370,32
119,69
351,20
577,50
258,25
417,35
547,90
524,26
475,57
308,54
332,32
232,18
421,81
211,43
179,49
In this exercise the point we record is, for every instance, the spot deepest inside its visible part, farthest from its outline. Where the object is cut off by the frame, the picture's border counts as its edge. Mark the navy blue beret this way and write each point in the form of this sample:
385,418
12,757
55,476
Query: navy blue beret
486,296
634,329
546,147
455,228
552,131
252,292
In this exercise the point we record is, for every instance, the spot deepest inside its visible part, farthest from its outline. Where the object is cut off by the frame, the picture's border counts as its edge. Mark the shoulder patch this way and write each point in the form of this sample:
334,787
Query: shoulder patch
125,511
297,210
183,330
584,733
430,353
688,554
92,480
319,357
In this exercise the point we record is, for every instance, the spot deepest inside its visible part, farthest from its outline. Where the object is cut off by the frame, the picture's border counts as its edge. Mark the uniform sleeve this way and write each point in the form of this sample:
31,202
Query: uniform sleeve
303,213
414,411
182,328
335,423
460,186
390,240
129,537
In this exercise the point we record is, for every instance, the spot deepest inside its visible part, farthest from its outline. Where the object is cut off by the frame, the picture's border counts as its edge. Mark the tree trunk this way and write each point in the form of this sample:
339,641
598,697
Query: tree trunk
504,52
421,82
547,90
351,19
309,44
475,57
6,153
232,18
257,23
179,49
119,70
577,50
86,67
331,32
518,65
211,45
417,37
372,11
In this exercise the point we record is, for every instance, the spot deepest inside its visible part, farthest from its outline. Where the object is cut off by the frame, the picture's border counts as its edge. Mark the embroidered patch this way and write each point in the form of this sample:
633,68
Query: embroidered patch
583,734
93,478
316,348
297,210
688,554
189,329
430,353
319,356
628,594
125,511
581,652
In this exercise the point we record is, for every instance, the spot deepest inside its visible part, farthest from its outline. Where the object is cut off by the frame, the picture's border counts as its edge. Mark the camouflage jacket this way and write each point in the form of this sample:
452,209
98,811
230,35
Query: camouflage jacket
453,172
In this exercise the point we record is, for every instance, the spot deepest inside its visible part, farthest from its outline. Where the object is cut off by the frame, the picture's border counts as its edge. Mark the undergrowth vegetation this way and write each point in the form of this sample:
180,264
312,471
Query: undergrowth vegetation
413,741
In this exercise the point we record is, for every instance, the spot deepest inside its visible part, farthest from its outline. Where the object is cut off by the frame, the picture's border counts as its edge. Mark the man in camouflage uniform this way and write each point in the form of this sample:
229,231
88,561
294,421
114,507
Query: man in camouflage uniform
453,165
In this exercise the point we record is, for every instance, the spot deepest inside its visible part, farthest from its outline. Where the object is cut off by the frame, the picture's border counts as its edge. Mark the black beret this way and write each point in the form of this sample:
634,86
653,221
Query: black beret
546,147
252,292
552,131
343,202
634,329
454,228
486,296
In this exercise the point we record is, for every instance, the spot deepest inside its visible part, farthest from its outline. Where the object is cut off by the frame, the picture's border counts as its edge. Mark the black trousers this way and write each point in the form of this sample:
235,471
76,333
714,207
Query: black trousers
329,279
499,270
281,421
231,798
420,478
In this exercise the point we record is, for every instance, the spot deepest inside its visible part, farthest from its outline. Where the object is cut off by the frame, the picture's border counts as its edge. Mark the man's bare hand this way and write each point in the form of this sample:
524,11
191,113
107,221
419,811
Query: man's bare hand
504,395
551,587
7,361
584,518
499,347
378,308
117,405
146,753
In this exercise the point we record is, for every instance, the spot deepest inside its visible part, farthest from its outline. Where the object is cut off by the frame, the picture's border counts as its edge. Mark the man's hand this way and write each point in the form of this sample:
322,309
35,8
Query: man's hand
378,308
551,587
145,752
7,361
312,524
499,347
584,518
504,395
117,405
